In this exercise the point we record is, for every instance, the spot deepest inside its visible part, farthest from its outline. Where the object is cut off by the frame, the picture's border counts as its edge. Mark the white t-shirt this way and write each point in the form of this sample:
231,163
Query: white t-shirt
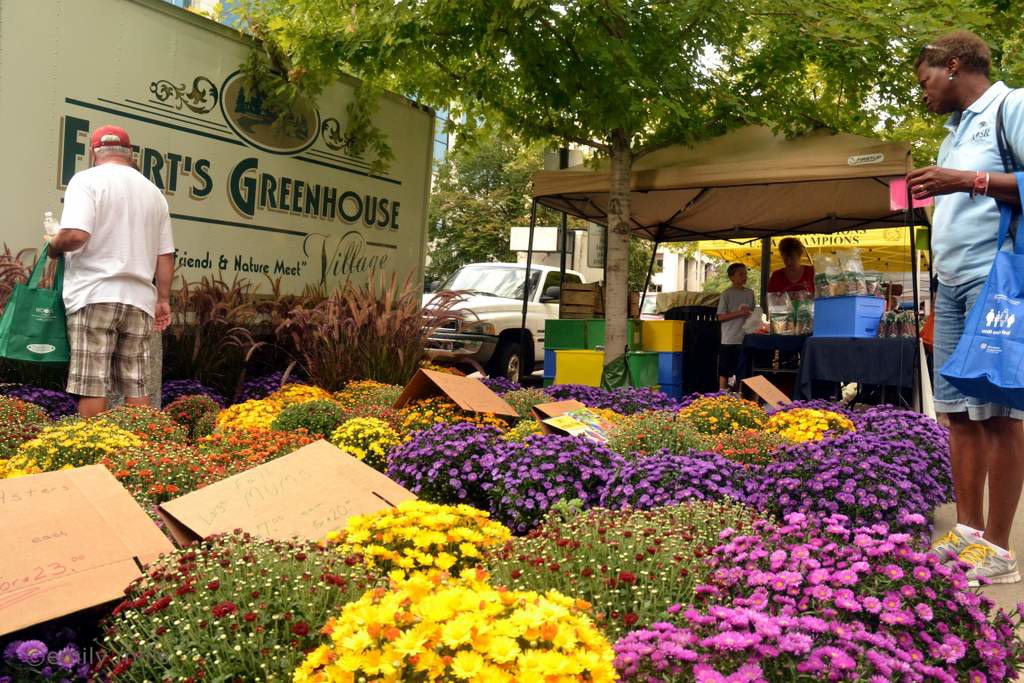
129,226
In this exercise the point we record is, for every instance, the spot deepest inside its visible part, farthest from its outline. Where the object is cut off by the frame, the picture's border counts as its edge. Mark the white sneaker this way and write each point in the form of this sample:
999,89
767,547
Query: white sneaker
954,542
988,563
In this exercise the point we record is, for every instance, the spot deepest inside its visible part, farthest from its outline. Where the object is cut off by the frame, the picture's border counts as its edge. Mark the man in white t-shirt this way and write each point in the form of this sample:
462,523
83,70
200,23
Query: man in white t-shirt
115,232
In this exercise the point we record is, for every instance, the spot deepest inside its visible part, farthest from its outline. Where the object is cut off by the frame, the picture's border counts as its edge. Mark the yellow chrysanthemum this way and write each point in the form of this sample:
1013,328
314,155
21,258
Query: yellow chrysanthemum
808,424
437,628
418,534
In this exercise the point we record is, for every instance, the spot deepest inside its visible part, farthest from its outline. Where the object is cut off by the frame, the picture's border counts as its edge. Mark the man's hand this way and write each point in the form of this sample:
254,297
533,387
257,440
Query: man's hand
744,310
931,181
163,316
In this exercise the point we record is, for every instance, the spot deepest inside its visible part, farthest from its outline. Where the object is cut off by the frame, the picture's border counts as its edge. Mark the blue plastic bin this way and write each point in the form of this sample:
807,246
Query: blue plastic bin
670,368
549,363
847,316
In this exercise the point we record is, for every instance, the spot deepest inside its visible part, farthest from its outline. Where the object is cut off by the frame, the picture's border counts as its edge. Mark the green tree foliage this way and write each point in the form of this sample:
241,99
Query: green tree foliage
481,190
629,76
719,279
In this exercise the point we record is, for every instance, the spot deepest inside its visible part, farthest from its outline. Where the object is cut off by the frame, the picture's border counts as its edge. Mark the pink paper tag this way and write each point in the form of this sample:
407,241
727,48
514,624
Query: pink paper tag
898,196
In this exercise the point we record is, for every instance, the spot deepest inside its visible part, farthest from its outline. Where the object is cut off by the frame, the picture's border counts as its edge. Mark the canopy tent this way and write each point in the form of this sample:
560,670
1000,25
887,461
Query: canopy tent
881,250
746,184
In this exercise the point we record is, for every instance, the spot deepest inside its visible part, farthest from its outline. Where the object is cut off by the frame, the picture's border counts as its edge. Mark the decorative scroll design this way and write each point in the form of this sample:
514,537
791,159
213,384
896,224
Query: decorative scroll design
201,99
332,135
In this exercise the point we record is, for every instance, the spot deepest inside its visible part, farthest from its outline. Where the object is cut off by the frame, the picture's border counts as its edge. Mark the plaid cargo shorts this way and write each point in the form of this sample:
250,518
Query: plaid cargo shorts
109,350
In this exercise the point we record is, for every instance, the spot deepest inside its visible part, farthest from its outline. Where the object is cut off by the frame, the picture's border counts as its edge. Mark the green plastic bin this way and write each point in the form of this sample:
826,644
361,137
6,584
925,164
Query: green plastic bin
566,334
643,368
595,333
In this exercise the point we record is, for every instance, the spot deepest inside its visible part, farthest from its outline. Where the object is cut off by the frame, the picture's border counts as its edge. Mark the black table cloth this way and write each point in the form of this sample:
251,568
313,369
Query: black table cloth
879,361
756,344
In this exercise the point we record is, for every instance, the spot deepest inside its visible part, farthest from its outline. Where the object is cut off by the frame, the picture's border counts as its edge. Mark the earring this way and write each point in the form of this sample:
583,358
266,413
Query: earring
952,76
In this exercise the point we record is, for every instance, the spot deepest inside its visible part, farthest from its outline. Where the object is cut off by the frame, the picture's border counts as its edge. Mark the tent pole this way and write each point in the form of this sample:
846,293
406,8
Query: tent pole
766,265
650,270
523,336
563,163
565,246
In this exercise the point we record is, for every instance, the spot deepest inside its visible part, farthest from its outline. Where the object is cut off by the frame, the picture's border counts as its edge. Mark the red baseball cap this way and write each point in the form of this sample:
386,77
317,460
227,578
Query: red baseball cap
110,136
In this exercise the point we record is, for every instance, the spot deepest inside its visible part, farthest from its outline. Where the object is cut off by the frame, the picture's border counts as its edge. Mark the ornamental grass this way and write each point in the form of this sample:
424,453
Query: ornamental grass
814,598
19,422
808,424
653,430
149,424
723,414
630,564
74,443
229,608
420,536
319,418
438,628
368,439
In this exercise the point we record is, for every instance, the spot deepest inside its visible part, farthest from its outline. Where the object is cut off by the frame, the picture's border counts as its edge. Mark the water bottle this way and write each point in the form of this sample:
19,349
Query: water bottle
51,226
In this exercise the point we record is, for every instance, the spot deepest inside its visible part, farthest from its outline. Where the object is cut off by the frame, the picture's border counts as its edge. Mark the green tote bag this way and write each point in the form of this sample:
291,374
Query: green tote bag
33,327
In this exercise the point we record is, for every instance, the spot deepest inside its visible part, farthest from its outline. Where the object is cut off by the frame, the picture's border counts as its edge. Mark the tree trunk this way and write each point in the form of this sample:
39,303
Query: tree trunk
617,271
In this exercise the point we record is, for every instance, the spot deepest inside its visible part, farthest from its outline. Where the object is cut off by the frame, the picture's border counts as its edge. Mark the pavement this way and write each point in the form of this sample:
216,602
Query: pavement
1005,595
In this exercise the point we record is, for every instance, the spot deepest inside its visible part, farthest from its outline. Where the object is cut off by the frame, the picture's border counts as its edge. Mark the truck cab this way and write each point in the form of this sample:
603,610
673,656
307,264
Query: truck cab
489,330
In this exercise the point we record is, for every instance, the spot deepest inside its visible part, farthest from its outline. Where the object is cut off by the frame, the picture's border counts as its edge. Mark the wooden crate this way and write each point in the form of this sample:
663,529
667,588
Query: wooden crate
579,301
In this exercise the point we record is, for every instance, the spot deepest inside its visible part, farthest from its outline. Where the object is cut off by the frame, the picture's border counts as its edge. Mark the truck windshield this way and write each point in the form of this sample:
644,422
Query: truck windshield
506,282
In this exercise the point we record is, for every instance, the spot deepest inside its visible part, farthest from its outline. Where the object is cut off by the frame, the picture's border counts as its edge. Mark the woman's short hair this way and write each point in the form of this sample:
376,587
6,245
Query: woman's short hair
973,52
791,246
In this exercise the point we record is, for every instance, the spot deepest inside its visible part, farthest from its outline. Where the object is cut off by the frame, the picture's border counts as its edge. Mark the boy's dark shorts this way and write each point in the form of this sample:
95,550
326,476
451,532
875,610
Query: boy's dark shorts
728,359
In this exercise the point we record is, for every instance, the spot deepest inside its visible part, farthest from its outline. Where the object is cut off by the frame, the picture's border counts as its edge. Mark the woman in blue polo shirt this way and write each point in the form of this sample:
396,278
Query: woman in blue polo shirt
985,439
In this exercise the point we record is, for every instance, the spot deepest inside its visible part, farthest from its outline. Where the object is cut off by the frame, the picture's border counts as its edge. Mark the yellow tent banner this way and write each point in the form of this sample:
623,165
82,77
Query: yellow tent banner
881,249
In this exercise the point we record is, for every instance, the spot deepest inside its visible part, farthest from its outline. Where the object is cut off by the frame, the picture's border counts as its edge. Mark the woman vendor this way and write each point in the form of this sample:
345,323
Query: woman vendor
793,276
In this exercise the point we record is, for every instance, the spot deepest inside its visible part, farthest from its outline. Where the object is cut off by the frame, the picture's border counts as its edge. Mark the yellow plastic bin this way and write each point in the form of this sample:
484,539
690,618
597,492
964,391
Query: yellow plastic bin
662,336
579,367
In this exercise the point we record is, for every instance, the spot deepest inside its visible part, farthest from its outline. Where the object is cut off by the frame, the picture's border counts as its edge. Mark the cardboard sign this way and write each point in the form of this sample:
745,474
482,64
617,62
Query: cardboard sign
465,392
766,391
73,539
306,494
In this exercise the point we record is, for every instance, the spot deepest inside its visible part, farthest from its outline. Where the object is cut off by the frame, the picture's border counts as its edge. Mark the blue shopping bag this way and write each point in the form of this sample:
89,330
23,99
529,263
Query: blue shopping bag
988,362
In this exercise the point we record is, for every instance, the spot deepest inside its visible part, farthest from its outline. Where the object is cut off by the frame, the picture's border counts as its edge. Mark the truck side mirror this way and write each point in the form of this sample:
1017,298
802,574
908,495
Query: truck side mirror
551,294
433,286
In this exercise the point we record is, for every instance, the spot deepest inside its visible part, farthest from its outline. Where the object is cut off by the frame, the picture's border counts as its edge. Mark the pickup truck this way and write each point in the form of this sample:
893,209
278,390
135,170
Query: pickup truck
489,331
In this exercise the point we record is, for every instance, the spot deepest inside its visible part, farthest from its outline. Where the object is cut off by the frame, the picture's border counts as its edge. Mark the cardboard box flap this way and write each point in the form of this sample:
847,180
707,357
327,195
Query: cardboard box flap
542,411
73,539
766,391
466,392
305,493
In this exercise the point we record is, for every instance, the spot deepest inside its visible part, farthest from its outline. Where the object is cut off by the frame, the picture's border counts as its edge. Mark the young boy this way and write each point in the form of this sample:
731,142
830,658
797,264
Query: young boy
734,306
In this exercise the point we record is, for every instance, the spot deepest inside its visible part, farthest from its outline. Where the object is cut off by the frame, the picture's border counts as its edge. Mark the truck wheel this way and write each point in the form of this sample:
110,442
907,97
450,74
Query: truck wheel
507,361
